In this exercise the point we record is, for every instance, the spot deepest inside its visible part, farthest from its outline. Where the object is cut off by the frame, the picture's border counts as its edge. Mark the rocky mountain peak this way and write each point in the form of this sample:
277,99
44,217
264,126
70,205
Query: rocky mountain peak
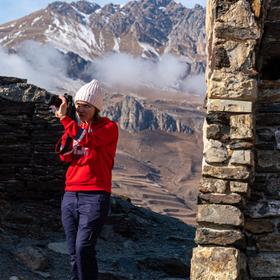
111,9
60,7
155,3
86,7
78,7
61,10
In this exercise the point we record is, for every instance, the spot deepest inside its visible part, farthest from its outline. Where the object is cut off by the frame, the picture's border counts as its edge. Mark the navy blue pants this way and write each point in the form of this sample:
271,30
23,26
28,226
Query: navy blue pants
83,215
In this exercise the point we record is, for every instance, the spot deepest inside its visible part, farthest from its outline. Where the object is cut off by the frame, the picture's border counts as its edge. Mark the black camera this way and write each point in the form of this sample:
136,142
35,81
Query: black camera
56,101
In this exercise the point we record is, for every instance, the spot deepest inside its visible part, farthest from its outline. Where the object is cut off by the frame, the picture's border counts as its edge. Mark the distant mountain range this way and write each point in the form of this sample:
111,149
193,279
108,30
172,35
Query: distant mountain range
145,28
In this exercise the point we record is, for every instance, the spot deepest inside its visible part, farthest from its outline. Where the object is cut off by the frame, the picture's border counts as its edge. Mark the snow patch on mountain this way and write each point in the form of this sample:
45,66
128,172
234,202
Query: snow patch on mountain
148,49
72,37
35,20
116,47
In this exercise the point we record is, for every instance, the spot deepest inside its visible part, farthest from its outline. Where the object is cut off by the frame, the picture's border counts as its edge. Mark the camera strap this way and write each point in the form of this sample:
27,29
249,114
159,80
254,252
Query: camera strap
67,147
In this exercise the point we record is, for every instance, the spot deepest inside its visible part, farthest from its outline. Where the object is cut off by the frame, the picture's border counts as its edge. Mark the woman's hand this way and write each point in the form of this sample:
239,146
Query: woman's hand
61,112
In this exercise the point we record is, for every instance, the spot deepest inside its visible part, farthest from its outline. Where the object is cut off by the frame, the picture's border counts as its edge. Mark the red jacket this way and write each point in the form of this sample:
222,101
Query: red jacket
91,154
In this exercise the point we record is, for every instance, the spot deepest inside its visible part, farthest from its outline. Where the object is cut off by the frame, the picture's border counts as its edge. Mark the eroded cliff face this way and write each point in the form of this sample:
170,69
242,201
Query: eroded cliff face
132,115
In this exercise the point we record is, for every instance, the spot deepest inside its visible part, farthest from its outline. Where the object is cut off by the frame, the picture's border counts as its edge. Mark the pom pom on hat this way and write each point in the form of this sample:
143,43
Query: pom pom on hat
91,93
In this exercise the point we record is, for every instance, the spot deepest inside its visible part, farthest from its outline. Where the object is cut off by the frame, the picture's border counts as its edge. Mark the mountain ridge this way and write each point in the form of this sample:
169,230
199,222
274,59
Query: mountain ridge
145,28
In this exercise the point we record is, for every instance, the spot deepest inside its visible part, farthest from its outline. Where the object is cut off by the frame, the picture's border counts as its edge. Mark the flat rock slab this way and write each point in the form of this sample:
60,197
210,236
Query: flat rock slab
217,263
220,214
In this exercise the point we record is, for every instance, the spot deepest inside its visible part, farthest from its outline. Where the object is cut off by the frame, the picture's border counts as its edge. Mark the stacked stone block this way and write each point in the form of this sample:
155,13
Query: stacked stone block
29,167
233,31
262,211
262,223
31,174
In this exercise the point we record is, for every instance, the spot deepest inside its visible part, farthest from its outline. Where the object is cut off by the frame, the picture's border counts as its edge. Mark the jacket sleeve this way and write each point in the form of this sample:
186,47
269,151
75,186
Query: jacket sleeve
64,148
98,138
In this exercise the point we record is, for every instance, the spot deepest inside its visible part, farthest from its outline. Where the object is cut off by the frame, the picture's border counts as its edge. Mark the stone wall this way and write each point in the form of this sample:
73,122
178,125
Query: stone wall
238,203
262,212
29,168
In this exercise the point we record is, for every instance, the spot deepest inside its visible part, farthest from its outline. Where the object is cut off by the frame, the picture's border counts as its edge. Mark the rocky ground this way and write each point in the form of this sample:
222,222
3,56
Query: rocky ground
133,245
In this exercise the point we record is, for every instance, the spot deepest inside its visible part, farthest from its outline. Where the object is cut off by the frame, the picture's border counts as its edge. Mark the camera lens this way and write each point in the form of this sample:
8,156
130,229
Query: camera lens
55,100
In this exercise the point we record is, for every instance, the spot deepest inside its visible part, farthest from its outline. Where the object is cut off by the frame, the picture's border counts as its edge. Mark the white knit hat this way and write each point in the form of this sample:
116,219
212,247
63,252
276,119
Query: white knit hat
91,93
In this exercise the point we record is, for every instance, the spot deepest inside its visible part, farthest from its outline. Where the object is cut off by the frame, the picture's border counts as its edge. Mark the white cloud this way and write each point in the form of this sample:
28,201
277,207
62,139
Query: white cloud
42,65
195,84
126,70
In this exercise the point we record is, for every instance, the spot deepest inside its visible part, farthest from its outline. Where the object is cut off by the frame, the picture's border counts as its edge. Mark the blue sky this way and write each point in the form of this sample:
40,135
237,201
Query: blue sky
13,9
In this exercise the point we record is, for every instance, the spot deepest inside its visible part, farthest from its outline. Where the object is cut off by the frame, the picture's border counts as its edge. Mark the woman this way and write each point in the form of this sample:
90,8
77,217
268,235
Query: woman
90,148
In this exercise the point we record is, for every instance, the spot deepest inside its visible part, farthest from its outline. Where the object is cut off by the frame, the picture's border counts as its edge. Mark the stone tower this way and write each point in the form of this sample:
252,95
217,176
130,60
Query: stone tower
239,195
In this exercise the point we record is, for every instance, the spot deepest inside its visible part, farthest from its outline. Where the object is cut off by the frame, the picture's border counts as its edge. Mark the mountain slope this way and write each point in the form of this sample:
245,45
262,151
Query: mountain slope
147,28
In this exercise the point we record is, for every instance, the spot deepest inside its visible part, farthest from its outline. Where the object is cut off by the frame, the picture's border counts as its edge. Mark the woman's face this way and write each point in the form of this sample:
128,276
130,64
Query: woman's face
85,110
